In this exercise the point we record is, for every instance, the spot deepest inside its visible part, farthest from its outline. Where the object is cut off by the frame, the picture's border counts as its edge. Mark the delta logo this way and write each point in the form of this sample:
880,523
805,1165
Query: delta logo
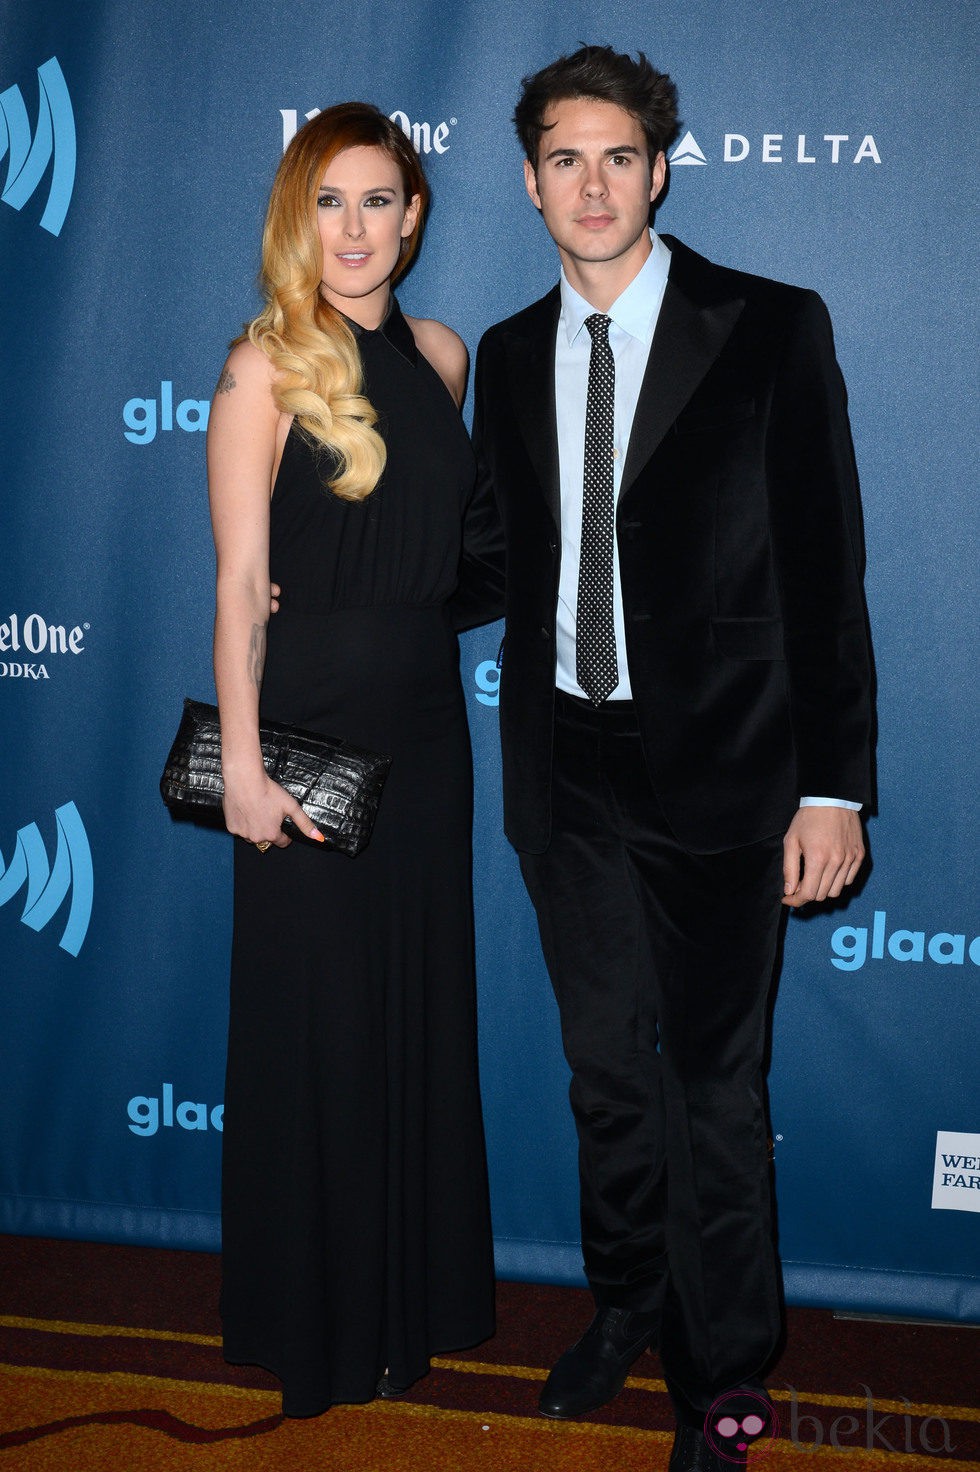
780,148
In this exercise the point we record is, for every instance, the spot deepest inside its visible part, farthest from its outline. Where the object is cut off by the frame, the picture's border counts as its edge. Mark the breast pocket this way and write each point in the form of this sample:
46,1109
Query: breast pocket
704,419
748,638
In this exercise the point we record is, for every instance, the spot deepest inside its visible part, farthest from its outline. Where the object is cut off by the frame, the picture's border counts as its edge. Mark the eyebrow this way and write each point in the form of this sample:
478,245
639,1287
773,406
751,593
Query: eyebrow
381,189
579,153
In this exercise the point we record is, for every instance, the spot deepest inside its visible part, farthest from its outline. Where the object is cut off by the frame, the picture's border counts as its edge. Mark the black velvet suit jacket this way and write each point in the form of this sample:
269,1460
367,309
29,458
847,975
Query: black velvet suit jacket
740,546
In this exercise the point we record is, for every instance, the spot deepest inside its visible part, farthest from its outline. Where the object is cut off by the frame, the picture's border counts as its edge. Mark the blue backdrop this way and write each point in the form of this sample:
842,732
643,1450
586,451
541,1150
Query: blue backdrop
828,144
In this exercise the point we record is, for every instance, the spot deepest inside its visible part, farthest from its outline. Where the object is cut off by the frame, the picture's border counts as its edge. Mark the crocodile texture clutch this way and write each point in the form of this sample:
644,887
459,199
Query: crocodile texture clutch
336,784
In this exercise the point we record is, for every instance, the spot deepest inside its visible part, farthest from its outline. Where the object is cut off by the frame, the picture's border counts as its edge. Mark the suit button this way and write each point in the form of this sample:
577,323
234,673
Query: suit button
552,546
545,633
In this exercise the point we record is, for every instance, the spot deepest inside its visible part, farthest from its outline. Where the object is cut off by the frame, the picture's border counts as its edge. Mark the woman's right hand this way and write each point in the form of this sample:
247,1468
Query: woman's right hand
255,807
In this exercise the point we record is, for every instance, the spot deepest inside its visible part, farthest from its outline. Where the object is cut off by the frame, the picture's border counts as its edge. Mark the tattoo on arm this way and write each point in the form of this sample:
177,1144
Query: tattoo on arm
226,382
256,655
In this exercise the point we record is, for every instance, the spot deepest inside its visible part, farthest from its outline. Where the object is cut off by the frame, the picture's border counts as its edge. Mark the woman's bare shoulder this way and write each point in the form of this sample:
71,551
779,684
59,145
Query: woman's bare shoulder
445,350
247,367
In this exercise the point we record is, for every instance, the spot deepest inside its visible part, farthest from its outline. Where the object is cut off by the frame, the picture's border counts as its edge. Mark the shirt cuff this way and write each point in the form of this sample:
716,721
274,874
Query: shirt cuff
829,802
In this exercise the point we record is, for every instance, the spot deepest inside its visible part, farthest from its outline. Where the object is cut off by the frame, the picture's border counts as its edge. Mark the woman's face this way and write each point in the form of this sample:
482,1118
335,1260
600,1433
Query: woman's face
362,217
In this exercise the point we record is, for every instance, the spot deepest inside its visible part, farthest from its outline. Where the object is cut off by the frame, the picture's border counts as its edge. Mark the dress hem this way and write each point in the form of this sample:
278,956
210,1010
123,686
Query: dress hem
360,1400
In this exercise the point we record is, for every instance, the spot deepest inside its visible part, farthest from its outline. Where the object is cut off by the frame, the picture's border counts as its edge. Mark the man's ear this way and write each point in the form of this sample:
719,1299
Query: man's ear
657,176
531,183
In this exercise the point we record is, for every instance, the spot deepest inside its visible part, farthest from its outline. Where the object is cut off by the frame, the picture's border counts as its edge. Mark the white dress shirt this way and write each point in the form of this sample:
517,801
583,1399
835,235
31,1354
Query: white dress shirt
632,322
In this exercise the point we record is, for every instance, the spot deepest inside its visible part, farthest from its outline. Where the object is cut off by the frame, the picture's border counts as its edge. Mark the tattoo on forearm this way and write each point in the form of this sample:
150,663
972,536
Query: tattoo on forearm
226,382
256,655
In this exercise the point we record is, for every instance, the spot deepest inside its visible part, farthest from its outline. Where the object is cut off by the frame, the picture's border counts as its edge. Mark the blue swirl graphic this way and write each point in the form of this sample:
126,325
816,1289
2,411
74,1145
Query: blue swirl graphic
53,137
47,886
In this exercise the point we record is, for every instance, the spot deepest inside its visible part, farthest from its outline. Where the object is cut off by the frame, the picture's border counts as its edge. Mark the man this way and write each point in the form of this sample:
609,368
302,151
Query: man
685,720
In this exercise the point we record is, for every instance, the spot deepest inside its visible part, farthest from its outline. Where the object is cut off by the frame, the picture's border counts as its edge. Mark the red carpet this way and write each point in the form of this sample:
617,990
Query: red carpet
110,1359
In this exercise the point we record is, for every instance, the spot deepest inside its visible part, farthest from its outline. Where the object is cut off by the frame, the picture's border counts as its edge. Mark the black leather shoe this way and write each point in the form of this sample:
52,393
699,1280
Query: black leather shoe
691,1452
595,1370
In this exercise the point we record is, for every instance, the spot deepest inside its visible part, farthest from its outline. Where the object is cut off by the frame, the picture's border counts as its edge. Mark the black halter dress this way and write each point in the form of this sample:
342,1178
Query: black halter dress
356,1230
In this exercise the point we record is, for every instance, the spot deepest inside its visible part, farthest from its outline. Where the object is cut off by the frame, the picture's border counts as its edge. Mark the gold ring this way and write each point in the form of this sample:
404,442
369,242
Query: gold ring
265,844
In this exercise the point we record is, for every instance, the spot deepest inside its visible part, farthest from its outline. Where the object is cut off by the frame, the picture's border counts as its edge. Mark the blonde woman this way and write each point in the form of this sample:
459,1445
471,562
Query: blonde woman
355,1216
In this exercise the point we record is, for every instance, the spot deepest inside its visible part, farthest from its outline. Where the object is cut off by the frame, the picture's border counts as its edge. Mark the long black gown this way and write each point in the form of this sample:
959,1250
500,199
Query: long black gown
356,1231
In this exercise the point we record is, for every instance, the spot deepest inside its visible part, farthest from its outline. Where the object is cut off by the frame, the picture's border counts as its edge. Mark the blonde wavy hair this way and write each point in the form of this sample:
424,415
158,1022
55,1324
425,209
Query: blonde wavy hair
319,374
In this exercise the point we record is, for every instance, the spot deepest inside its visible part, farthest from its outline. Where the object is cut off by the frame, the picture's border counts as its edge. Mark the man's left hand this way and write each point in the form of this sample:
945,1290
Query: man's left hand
822,852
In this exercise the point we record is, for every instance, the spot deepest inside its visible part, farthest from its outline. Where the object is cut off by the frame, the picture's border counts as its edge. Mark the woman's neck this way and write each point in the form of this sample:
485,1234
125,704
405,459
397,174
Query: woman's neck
366,311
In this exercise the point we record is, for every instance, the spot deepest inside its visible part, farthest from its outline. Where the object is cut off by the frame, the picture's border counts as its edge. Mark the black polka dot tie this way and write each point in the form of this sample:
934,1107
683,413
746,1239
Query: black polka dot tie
595,637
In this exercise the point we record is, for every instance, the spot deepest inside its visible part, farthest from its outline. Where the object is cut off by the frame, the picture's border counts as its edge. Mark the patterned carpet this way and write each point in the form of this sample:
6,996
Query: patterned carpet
110,1360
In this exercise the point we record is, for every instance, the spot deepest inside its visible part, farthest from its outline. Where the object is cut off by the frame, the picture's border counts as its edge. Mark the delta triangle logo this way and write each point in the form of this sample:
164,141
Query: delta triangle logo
687,152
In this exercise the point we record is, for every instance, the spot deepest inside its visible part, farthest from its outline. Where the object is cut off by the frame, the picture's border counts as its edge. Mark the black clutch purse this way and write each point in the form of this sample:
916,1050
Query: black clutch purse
336,784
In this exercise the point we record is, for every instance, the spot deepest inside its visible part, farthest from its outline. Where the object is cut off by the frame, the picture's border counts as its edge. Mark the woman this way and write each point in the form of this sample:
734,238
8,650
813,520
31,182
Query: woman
355,1216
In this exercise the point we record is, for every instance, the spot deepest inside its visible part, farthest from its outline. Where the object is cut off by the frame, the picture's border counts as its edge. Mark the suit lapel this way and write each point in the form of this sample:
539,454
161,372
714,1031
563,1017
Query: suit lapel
698,313
693,327
530,362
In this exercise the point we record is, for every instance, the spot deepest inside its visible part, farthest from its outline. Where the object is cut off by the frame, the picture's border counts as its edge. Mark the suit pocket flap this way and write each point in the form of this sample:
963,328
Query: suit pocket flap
714,416
749,638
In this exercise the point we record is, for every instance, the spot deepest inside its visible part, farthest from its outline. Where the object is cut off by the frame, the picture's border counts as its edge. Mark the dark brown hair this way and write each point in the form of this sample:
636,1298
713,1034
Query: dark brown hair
608,76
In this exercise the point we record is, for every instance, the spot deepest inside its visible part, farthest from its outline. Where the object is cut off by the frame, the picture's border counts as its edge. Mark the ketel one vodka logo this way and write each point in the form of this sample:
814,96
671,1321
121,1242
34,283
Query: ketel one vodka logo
47,885
426,137
53,142
22,640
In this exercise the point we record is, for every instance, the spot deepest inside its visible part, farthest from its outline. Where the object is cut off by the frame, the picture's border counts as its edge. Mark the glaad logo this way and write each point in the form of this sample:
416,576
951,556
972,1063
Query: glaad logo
35,636
141,416
956,1176
147,1114
849,944
47,886
737,147
487,678
427,137
54,139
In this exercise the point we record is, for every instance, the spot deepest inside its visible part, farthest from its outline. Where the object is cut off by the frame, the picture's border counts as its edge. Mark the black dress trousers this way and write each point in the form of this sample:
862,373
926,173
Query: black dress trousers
662,962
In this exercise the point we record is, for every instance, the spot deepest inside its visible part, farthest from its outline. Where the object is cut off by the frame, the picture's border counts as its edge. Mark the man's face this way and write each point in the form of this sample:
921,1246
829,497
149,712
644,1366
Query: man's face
594,184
